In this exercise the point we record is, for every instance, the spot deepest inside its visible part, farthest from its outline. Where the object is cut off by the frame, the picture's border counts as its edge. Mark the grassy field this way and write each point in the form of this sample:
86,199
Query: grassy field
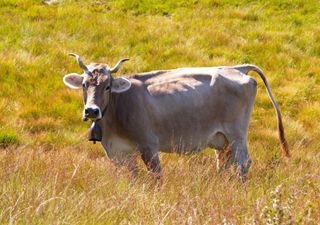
50,174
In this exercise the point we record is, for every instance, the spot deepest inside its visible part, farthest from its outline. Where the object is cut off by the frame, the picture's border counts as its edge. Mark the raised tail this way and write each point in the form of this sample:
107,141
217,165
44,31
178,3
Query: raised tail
245,69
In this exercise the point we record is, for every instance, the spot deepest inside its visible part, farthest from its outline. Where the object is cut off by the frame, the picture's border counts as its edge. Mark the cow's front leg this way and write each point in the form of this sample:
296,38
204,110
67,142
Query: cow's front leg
132,165
150,157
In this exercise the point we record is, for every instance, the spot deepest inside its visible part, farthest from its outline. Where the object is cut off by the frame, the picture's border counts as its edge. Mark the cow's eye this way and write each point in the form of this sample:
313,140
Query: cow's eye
84,85
108,88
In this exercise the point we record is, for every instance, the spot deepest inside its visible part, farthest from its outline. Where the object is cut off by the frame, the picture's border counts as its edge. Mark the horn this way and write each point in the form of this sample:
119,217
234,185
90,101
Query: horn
117,66
81,64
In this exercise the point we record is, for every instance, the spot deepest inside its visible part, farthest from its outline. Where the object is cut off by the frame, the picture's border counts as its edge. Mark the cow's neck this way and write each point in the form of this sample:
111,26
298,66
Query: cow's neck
108,121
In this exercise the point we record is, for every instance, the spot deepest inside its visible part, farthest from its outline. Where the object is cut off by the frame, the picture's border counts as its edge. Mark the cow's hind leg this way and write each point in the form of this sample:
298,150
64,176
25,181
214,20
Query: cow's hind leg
224,158
219,142
242,160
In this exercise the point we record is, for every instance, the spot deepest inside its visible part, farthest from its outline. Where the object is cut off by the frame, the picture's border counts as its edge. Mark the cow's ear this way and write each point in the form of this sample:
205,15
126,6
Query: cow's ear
73,80
120,85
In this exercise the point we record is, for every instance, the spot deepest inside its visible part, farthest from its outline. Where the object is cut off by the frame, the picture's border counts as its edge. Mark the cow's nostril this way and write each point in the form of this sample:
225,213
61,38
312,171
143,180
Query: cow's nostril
96,111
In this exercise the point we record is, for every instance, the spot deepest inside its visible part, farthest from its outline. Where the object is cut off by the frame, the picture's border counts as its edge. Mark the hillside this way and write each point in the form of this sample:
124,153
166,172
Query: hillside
51,174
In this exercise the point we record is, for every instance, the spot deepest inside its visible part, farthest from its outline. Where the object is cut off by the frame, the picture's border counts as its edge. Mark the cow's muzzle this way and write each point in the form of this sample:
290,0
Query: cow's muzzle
91,113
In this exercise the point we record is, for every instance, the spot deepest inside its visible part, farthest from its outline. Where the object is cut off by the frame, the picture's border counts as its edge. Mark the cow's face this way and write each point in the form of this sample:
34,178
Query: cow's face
97,85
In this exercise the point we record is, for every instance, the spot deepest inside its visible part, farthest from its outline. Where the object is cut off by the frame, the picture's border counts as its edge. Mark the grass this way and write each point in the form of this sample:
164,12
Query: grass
8,137
50,174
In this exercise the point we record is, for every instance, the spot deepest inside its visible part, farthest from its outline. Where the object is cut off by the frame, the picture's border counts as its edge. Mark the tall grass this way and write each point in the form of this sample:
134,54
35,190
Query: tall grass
49,174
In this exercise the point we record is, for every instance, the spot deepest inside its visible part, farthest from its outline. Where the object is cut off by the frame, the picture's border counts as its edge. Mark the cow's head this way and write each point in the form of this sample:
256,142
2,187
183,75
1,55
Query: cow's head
97,84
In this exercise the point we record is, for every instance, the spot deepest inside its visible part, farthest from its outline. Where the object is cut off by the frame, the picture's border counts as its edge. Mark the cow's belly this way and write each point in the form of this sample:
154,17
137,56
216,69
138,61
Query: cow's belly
188,143
118,149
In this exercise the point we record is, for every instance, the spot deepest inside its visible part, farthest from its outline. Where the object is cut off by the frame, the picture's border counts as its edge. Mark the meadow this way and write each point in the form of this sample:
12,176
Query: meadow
51,174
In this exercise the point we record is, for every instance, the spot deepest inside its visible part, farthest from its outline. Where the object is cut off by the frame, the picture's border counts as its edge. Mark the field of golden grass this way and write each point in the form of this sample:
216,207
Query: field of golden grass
50,174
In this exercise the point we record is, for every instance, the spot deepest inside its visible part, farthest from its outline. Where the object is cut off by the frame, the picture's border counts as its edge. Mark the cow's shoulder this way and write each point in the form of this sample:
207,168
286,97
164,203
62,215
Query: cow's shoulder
146,76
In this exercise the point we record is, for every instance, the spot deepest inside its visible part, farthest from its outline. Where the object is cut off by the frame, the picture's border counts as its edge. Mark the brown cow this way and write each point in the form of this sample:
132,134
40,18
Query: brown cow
181,110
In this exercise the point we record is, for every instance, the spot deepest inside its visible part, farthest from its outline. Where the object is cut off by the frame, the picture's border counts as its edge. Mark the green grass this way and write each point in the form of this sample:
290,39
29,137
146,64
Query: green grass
8,137
50,174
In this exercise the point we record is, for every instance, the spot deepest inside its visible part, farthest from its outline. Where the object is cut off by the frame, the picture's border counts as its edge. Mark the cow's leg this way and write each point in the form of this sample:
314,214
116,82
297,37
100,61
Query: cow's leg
224,158
242,160
219,142
132,165
150,157
129,161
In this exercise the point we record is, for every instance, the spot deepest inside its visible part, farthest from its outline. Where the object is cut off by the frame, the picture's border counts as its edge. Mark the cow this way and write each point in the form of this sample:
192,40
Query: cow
182,110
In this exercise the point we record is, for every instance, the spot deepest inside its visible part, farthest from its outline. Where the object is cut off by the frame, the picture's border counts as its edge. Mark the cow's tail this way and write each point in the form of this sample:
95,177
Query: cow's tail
245,69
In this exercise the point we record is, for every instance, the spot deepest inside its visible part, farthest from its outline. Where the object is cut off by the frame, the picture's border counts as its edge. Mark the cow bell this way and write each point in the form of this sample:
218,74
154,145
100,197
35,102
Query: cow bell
95,133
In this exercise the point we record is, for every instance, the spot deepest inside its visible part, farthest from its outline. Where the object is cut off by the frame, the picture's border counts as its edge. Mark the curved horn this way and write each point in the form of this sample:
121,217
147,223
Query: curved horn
81,64
117,66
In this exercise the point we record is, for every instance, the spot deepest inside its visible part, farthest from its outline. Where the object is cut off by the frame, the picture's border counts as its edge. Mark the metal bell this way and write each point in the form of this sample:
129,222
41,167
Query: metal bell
95,133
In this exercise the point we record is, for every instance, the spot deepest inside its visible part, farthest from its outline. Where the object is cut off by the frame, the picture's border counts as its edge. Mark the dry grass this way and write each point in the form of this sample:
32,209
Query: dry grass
49,173
73,186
